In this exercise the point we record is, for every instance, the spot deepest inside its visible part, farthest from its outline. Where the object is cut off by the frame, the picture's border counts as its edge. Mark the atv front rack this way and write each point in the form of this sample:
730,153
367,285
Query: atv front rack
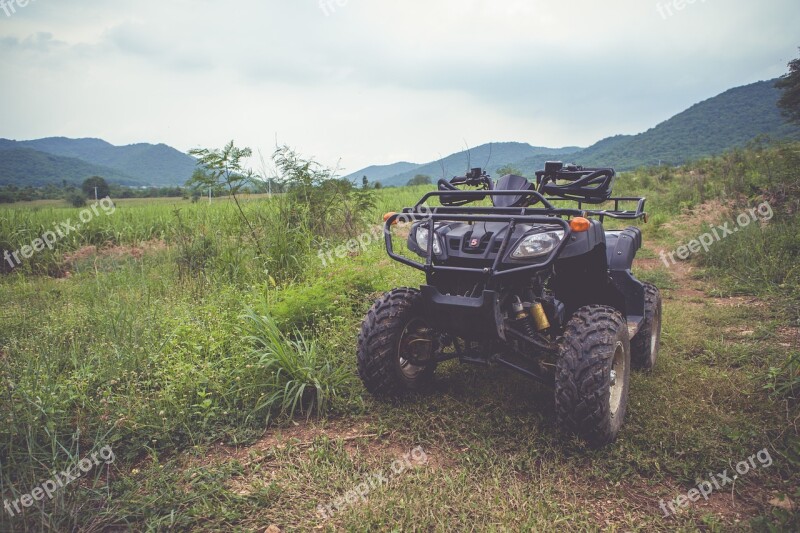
548,214
549,209
431,217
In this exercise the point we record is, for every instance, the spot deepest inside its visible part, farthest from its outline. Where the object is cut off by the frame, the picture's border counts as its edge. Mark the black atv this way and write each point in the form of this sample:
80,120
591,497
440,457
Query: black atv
539,288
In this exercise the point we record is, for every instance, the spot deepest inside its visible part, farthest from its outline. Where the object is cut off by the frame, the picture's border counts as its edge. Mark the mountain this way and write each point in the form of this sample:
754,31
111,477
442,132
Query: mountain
607,145
728,120
490,156
720,123
142,164
381,172
26,167
725,121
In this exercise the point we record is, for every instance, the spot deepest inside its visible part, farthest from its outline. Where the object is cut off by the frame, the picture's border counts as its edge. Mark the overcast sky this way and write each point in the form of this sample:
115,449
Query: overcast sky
373,81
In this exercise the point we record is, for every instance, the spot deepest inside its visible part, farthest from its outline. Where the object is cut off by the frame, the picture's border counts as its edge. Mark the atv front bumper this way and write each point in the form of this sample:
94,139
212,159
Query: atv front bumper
469,318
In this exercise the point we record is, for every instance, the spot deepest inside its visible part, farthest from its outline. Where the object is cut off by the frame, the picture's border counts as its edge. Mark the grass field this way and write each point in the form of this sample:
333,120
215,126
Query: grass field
132,333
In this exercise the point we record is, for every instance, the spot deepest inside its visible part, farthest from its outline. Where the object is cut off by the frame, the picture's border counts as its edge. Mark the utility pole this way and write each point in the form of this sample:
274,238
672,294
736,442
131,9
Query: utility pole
95,194
209,195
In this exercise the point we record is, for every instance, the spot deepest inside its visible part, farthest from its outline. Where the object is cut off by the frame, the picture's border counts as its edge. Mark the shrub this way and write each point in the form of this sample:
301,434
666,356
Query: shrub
305,380
288,241
195,249
301,307
96,186
330,207
77,199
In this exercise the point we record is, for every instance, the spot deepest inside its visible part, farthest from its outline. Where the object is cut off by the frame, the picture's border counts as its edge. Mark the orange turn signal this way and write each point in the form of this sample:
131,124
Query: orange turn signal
387,216
579,224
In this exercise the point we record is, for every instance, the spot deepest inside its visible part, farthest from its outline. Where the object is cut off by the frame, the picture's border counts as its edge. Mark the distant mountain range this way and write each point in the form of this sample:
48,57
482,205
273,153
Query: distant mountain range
490,156
728,120
57,159
720,123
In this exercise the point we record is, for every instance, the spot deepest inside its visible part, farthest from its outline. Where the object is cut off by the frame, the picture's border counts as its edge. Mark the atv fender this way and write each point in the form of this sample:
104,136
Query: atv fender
581,243
621,248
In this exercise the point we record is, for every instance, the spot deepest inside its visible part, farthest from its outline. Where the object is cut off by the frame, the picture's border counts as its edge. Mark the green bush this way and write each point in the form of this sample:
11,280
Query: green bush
76,199
288,241
304,379
303,306
330,207
196,248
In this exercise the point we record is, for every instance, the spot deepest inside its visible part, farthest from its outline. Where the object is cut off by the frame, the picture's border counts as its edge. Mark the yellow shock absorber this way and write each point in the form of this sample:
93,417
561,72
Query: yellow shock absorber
539,316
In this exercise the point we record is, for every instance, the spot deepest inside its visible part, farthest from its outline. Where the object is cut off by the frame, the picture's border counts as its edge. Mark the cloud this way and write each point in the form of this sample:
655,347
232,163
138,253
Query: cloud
376,81
39,42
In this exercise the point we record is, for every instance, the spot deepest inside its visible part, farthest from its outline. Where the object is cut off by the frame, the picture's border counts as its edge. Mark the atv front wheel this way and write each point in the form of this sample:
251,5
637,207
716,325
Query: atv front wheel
593,374
396,347
644,345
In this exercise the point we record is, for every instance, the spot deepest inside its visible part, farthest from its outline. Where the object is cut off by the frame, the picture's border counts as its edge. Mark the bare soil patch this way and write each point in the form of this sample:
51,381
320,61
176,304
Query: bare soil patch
114,251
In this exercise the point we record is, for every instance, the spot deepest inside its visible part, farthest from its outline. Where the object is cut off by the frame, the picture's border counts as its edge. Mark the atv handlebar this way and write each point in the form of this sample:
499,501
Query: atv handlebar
475,178
590,185
453,195
475,196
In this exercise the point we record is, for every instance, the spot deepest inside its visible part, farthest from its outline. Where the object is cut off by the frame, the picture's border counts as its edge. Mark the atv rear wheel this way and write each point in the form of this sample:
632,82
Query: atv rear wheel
593,374
645,344
396,347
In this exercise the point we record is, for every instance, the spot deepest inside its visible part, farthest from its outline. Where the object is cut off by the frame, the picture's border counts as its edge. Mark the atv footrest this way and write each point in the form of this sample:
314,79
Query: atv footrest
634,323
469,318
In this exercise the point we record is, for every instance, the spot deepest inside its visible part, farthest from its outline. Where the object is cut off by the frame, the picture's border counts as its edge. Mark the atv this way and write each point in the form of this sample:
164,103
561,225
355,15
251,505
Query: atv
532,282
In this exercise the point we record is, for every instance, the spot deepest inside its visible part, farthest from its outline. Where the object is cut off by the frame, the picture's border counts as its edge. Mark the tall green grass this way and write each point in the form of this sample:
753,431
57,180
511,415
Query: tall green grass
760,259
304,379
158,353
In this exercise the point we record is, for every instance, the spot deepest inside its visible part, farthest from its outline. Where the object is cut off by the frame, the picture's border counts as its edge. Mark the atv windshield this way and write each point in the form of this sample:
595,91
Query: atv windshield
511,182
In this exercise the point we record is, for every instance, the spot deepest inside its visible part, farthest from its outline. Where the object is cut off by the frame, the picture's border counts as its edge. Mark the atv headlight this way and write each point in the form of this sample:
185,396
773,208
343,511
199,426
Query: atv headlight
422,241
538,244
